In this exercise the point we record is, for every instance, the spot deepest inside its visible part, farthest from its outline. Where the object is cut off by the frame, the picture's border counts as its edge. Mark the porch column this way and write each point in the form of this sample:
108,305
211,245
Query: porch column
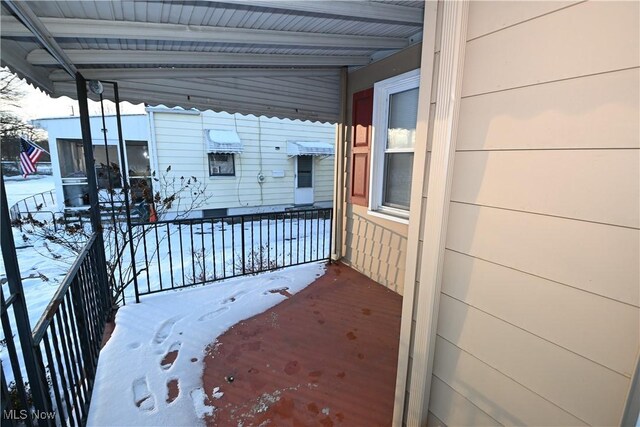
339,172
87,145
94,205
430,191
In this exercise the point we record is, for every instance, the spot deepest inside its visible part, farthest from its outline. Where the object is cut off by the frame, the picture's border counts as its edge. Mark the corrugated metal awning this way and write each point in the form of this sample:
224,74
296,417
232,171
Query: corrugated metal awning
309,148
272,58
223,141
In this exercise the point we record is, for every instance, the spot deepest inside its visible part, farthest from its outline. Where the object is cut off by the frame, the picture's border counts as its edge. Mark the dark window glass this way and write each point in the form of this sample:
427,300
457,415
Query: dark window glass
138,158
221,165
305,171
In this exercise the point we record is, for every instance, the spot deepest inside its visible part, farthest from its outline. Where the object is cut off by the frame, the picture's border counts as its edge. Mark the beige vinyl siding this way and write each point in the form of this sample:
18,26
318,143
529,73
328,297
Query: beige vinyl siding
539,319
376,246
180,143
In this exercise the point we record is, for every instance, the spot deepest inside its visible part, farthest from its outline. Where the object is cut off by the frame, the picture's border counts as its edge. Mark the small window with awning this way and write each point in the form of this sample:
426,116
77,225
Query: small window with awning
222,141
309,148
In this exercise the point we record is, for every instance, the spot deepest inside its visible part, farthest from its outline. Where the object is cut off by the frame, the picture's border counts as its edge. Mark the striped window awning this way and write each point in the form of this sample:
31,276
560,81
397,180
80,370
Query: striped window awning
309,148
223,141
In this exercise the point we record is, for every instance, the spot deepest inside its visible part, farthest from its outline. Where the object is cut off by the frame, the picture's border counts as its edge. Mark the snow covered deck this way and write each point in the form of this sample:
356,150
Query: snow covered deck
323,354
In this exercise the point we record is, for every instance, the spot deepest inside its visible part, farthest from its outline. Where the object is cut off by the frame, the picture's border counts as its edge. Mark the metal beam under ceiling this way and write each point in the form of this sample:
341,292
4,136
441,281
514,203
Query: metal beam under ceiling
105,56
97,28
24,13
185,73
340,9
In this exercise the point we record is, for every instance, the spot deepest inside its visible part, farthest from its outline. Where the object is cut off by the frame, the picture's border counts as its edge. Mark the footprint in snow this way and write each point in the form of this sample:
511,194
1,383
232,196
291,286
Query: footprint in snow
234,297
212,314
165,330
170,357
173,390
142,397
280,280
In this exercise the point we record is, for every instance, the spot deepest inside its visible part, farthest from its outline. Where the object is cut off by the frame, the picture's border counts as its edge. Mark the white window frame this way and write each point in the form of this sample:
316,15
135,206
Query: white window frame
382,90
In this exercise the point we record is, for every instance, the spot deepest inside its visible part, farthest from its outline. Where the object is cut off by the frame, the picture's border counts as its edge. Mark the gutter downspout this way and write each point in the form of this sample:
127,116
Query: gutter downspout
339,175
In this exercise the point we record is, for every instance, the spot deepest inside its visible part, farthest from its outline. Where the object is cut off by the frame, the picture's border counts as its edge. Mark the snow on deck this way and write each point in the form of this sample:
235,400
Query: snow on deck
160,344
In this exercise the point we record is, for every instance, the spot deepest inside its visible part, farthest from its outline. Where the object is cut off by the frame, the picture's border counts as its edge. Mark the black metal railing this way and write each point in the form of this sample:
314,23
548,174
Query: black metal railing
33,204
175,254
64,348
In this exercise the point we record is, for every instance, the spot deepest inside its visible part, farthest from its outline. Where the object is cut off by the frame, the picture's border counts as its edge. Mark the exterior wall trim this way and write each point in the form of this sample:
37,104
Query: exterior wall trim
449,89
339,175
416,205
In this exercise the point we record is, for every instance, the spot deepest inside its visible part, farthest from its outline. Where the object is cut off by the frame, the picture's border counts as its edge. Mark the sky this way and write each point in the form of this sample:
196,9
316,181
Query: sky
36,104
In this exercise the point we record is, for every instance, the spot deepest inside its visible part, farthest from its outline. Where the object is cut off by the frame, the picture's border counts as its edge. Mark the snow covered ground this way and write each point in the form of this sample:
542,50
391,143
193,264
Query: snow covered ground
41,271
19,188
163,340
42,265
179,255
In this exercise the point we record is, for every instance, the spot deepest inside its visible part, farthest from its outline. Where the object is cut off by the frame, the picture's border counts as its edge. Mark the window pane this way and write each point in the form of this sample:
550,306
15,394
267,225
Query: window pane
141,190
71,159
108,173
397,179
305,170
138,158
403,115
221,164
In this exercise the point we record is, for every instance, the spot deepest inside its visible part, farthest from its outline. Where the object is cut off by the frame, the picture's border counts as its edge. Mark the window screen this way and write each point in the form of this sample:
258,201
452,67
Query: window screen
221,165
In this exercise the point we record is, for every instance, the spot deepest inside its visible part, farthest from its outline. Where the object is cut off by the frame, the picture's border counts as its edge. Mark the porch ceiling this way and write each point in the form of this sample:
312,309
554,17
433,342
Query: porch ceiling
273,58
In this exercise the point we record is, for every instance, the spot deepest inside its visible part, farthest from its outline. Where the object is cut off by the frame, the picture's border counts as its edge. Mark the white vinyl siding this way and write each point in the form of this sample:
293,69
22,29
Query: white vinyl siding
323,178
539,318
180,143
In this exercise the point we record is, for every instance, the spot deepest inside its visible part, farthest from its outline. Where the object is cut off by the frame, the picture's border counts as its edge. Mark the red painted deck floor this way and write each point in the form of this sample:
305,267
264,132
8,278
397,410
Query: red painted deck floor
326,356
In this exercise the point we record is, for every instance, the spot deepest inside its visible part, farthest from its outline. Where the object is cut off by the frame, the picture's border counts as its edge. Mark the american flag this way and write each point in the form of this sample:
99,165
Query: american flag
29,155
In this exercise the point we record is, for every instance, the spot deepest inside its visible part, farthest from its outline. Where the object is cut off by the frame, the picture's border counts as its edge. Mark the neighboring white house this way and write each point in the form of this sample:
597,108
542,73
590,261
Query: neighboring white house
67,153
249,164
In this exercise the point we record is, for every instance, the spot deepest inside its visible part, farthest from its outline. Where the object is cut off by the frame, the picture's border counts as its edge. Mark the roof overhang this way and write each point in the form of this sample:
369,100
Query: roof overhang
272,58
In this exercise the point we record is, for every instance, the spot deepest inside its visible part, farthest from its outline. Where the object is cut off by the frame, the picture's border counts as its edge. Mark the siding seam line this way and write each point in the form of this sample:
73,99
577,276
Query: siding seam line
537,336
545,214
533,18
542,277
465,398
512,379
580,76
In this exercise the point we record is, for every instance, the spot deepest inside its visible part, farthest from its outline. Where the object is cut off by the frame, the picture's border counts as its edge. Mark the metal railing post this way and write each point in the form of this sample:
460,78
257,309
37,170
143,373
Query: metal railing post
37,377
94,202
330,233
244,271
125,182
